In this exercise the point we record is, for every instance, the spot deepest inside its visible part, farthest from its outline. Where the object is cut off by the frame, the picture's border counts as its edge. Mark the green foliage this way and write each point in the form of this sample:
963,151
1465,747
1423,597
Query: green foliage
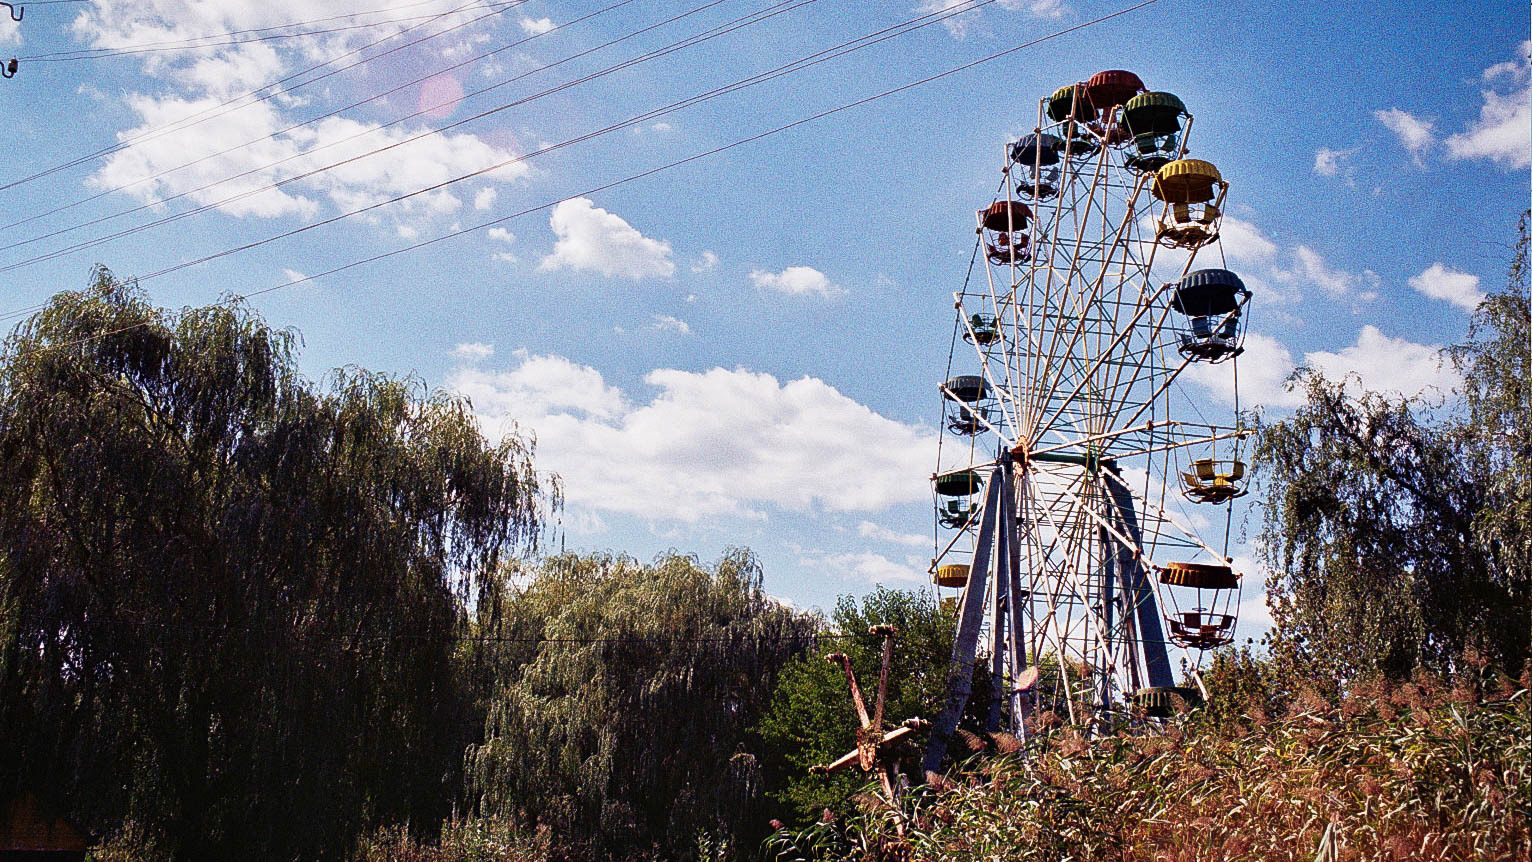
1241,685
486,840
622,694
230,599
1401,539
812,720
1418,770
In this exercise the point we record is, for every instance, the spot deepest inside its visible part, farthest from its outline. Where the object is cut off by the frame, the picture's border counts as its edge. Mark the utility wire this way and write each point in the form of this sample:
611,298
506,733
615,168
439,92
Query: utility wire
814,59
192,41
190,45
365,132
612,184
274,87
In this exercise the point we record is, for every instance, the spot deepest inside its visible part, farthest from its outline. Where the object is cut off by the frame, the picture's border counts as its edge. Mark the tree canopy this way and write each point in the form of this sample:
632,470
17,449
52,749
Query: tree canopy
230,599
1399,535
621,698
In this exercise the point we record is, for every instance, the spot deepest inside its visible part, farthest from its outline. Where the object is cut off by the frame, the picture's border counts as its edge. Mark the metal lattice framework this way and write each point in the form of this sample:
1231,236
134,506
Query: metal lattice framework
1072,527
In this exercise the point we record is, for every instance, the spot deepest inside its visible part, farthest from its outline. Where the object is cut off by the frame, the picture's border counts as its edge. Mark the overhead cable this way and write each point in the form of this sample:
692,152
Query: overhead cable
777,130
368,131
199,45
274,87
800,64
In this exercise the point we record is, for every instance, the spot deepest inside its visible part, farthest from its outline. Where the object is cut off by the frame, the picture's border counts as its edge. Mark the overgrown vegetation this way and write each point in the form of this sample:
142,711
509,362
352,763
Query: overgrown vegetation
1419,770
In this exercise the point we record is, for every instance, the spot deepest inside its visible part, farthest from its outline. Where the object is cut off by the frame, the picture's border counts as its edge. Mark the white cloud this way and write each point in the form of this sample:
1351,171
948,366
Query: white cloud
1414,133
582,522
869,530
194,82
1243,242
1263,368
592,239
666,323
958,25
1394,366
1310,268
788,602
10,32
1331,162
1444,282
536,26
485,198
1503,131
706,262
862,566
1050,10
500,234
473,351
962,24
410,166
704,444
293,275
797,280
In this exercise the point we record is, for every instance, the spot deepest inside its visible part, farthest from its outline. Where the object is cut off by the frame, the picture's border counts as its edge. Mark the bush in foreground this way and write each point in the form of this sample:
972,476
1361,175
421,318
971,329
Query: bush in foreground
1413,771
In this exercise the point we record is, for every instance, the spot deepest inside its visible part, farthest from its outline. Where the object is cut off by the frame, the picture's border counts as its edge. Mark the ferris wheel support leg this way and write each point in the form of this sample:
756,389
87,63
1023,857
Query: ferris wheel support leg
1136,588
970,621
1110,574
998,634
1020,701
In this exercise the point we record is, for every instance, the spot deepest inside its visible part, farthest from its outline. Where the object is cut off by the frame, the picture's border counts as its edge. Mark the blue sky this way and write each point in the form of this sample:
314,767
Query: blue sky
744,350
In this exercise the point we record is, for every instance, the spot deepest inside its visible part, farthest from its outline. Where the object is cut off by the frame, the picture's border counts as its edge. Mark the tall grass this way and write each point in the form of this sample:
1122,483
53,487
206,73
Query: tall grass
1420,771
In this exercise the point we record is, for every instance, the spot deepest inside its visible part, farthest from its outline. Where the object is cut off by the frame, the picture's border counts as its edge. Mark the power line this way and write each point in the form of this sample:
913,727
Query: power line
690,41
363,133
810,60
609,185
230,104
90,53
197,45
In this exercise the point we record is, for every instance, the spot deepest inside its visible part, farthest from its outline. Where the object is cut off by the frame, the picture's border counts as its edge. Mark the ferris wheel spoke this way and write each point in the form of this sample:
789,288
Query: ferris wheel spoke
1231,434
1165,516
1080,583
1089,371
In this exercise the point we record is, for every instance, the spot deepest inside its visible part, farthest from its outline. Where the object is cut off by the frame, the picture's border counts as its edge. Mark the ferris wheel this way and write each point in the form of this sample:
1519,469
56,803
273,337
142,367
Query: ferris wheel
1086,495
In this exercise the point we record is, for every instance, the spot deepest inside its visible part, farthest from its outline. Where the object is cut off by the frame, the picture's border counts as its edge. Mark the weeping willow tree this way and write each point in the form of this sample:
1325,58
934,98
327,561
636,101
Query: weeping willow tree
1399,536
622,697
231,599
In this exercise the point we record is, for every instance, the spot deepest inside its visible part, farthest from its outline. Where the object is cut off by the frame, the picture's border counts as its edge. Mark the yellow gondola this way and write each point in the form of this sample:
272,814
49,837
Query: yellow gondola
1212,481
1193,191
